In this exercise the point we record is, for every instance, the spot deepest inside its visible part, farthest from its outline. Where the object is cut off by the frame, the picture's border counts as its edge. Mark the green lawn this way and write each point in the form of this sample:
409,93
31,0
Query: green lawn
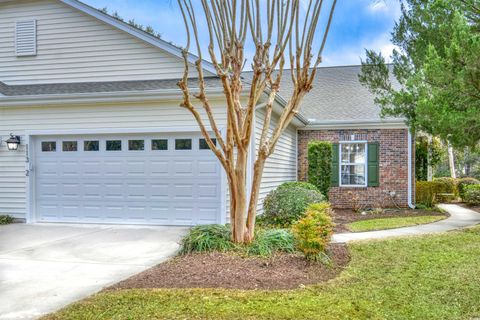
428,277
391,223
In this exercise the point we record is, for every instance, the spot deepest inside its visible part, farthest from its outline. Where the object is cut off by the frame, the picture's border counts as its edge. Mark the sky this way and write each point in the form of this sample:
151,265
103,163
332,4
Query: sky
357,25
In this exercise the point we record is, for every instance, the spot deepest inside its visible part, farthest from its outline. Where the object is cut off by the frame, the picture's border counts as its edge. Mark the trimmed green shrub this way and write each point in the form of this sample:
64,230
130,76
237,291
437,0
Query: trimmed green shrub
426,192
5,219
472,194
206,238
270,241
449,185
462,183
300,184
320,165
287,203
313,232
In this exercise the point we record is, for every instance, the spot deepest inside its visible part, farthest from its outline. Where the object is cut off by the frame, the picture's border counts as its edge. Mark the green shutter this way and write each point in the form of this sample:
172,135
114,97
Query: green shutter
373,164
335,166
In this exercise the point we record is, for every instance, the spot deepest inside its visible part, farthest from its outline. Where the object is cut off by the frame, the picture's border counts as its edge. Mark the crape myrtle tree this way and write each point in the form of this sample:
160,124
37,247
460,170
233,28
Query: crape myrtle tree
436,70
281,32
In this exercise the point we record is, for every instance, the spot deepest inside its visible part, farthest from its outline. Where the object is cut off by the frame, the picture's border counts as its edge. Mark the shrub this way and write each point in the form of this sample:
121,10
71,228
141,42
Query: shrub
463,183
313,232
269,241
320,165
206,238
5,219
300,184
448,185
472,195
288,202
426,192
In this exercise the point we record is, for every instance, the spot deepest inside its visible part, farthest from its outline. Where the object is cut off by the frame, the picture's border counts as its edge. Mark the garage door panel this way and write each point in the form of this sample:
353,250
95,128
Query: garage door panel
172,187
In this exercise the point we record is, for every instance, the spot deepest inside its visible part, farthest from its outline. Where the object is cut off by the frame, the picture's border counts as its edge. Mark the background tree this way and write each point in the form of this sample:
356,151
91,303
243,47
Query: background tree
279,31
436,70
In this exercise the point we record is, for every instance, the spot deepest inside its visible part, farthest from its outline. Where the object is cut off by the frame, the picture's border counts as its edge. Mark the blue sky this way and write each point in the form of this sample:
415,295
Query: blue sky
357,24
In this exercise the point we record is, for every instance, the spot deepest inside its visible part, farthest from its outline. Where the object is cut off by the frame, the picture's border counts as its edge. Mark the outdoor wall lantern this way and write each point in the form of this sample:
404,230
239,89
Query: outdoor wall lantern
13,142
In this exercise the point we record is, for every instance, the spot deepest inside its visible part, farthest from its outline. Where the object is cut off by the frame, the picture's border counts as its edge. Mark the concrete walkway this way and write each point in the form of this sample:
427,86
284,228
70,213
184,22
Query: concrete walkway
44,267
459,218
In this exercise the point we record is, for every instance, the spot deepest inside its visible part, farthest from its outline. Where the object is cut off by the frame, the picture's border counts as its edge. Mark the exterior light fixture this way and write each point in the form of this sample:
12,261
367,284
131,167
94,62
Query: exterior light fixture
13,142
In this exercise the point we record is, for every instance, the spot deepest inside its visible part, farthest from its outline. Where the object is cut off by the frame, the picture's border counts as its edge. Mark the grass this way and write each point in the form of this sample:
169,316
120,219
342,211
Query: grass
391,223
424,277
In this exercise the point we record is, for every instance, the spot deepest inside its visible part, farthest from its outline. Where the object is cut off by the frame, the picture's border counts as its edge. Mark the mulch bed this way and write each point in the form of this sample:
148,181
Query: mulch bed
232,271
344,216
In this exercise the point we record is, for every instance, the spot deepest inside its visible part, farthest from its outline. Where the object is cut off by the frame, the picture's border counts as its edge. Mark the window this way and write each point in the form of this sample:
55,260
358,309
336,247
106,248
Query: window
353,164
203,145
160,144
136,145
183,144
93,145
114,145
49,146
68,146
26,38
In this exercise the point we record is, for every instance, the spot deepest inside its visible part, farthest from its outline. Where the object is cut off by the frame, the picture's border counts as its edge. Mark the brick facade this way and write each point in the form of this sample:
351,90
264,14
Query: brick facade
393,167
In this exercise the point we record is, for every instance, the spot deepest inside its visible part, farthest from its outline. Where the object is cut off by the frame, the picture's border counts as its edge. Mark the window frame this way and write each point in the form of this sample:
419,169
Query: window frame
365,164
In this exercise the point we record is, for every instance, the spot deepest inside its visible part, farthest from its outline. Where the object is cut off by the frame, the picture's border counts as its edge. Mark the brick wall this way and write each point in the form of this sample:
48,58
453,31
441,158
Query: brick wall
393,169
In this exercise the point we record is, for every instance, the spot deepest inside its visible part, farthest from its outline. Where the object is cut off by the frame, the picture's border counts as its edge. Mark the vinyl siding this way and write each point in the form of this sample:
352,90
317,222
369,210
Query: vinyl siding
75,47
13,182
281,166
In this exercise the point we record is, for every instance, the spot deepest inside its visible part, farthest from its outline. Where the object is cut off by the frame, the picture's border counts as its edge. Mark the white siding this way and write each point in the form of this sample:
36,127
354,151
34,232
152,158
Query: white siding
75,47
281,166
13,182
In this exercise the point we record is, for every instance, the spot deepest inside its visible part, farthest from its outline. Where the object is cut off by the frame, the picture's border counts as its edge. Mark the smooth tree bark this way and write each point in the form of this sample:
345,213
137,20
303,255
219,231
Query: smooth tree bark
280,31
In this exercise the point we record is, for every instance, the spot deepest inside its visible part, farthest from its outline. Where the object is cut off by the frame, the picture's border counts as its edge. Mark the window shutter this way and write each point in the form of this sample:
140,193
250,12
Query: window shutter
373,164
26,38
335,165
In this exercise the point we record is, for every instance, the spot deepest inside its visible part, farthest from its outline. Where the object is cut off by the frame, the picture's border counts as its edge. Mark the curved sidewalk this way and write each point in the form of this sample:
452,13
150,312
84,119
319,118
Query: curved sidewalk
459,218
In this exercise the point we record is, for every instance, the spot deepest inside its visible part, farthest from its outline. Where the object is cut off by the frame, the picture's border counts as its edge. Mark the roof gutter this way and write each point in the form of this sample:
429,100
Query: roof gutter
357,124
102,97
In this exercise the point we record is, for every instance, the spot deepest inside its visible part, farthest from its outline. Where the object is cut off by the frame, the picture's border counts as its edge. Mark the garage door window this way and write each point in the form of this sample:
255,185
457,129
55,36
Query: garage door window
136,145
91,145
69,146
160,144
183,144
49,146
203,145
114,145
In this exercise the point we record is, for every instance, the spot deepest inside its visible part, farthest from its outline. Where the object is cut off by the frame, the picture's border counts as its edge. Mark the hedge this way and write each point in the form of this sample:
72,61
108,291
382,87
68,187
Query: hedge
427,190
472,195
463,183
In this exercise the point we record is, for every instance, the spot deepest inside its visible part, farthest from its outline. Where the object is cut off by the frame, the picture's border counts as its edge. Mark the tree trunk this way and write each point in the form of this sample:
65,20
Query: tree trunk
451,161
429,159
239,197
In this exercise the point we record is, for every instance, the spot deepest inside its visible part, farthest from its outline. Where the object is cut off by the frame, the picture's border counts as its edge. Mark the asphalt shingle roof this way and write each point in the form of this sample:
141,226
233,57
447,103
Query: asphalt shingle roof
337,94
98,87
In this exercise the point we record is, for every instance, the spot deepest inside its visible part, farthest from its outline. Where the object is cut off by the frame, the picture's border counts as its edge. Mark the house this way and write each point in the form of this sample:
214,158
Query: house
94,104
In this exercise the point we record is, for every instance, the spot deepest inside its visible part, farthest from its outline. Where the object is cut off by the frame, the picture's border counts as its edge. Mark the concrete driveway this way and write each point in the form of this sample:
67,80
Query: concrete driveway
44,267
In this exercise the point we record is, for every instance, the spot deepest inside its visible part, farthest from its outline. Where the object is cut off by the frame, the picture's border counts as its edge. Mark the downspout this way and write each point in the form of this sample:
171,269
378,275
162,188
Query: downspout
409,171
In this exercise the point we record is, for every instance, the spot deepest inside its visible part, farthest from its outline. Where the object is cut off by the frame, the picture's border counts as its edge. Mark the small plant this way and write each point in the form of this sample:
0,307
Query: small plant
356,204
207,238
288,202
314,231
472,194
463,183
270,241
320,165
5,219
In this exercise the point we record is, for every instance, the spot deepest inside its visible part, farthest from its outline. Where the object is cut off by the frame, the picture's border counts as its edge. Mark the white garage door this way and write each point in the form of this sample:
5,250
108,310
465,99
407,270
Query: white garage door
161,179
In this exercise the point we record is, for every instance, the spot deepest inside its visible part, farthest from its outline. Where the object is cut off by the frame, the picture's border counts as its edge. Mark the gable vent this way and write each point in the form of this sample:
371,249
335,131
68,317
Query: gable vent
26,38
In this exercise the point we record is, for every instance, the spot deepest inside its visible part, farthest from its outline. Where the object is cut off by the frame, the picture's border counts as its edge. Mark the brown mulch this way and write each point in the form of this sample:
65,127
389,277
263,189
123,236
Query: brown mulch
342,217
232,271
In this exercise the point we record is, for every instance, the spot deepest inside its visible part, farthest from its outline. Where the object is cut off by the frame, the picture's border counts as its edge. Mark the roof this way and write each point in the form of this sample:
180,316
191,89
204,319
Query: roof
337,95
97,87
